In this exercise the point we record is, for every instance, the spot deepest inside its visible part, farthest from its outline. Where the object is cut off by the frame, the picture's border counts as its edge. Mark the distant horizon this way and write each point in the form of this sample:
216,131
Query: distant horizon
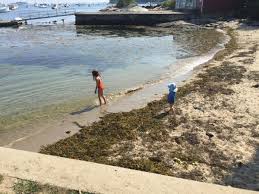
55,1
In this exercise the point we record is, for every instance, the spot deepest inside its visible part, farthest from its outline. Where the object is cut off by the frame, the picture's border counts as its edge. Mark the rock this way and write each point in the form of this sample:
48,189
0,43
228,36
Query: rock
68,132
177,160
158,9
137,9
256,86
210,134
155,159
110,9
198,108
179,140
240,164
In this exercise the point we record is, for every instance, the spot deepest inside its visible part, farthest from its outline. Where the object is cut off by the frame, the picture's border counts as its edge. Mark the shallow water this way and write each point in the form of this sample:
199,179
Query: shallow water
45,70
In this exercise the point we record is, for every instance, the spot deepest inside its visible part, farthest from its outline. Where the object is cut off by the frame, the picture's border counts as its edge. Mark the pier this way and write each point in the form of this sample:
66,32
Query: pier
35,15
9,23
129,18
45,14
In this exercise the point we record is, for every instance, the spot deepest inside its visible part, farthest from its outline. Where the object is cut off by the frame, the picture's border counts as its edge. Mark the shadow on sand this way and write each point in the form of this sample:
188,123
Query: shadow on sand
246,176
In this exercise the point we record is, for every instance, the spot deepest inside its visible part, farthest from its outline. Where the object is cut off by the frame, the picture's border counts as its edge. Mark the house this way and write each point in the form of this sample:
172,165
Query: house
208,6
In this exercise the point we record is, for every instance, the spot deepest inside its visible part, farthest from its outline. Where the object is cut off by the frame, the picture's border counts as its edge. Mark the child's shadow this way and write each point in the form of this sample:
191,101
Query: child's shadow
87,109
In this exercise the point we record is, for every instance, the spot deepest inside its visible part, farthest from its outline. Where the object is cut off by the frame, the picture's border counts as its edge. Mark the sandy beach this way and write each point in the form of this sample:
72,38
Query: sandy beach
214,136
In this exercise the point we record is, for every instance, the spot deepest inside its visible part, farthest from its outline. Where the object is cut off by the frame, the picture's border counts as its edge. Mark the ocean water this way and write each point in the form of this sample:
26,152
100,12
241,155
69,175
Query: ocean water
45,69
25,10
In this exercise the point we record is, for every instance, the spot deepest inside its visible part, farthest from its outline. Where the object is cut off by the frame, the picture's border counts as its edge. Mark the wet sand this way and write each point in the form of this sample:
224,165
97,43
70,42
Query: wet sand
214,136
31,119
51,131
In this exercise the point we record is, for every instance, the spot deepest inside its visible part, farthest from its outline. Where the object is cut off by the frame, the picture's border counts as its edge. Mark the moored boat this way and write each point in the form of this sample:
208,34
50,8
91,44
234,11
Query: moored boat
13,6
43,5
54,6
4,8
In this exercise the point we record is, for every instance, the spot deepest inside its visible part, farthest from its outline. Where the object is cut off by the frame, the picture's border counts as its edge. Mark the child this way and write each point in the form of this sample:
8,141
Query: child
172,95
99,86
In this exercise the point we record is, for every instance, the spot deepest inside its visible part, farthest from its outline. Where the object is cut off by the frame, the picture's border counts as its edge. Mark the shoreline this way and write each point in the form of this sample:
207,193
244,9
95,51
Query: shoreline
51,131
213,137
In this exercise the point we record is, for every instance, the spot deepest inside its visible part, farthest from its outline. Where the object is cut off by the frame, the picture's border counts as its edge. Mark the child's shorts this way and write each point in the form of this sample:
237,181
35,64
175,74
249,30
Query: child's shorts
171,97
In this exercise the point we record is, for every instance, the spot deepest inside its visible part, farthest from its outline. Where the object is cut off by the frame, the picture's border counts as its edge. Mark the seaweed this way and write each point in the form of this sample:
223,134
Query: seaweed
26,187
253,75
215,80
113,139
248,53
229,47
1,179
30,187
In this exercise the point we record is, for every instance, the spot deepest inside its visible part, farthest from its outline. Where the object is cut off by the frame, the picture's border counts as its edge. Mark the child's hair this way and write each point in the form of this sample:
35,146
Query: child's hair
95,73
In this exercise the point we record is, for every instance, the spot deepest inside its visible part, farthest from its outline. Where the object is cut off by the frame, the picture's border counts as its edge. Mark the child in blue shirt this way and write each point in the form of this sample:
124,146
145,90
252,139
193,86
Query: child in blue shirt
172,95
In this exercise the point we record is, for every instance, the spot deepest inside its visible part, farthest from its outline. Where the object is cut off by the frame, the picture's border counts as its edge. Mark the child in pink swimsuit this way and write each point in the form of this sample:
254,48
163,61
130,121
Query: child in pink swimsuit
99,86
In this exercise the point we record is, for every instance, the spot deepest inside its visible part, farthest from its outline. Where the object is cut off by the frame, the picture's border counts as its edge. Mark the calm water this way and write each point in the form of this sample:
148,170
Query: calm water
45,70
29,9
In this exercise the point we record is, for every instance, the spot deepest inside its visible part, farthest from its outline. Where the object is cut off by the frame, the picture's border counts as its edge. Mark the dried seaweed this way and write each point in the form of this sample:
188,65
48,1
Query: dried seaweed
112,140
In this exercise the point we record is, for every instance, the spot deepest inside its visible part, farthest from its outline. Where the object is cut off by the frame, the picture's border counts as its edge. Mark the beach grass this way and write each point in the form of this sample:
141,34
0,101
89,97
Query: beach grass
31,187
26,187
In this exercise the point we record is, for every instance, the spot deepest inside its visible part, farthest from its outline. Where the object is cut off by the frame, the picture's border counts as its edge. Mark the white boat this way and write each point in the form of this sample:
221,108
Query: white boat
13,6
18,19
54,6
4,8
43,5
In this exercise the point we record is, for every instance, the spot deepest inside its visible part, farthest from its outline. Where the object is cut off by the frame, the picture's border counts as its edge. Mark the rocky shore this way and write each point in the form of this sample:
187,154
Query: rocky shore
214,136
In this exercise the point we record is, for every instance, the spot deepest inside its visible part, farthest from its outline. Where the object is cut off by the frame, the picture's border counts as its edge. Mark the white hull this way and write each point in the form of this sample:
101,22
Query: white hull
42,6
4,9
55,6
13,6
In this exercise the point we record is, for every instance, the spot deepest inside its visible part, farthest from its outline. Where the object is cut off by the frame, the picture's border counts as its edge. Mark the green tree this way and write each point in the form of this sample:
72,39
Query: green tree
125,3
169,4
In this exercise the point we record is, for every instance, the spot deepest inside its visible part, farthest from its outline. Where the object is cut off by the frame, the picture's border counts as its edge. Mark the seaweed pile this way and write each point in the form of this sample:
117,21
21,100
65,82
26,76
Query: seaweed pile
150,139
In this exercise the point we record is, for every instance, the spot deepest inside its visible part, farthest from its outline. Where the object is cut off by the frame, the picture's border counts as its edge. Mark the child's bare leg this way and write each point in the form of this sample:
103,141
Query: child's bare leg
105,102
100,100
173,111
171,107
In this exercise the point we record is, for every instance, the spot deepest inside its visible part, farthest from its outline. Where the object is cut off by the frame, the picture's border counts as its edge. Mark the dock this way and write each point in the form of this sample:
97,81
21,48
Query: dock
35,15
4,23
129,18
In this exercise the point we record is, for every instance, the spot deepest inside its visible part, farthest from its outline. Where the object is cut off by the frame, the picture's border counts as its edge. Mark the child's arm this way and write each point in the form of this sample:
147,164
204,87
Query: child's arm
96,86
97,83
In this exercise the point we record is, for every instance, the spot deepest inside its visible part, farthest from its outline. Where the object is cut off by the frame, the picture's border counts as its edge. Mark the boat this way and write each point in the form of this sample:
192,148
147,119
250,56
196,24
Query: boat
43,5
13,6
18,19
4,8
54,6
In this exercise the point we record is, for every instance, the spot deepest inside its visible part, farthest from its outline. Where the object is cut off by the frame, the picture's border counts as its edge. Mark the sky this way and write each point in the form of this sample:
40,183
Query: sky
55,1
